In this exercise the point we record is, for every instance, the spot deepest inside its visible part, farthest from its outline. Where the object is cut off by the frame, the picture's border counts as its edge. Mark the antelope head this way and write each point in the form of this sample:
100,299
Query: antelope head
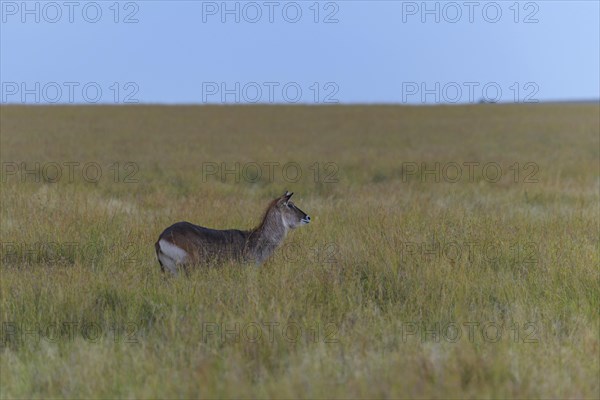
291,215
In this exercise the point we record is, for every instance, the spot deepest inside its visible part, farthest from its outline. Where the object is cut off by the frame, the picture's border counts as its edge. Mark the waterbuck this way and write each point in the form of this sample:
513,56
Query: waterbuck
184,244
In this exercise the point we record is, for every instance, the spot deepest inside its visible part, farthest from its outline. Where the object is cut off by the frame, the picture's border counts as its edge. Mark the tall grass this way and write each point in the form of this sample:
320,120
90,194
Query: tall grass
404,285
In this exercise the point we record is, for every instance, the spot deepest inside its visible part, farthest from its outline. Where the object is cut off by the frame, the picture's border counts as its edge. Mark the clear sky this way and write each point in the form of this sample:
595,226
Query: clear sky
299,52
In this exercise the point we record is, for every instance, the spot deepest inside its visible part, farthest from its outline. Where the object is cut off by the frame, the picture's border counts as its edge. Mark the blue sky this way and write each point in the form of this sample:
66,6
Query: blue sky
298,52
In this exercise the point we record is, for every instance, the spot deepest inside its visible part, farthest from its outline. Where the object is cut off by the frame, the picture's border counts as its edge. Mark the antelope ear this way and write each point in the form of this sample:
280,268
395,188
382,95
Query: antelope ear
286,196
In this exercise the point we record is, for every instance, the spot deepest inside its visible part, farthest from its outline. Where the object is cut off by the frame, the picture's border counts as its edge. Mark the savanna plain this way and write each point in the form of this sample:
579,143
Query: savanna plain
453,252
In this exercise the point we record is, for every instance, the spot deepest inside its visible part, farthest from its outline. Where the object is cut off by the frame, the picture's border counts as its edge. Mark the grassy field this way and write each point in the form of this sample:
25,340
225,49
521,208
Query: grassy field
453,252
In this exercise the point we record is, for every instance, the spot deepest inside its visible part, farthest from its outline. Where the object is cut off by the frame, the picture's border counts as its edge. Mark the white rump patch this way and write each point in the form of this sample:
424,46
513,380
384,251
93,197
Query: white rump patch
171,255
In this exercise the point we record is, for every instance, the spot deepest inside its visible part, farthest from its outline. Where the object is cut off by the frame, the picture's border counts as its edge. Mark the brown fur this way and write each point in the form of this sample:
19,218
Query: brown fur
206,246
